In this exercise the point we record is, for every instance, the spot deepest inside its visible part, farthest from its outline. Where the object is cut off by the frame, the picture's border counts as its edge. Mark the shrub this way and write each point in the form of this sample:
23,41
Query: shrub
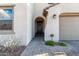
50,43
53,43
61,44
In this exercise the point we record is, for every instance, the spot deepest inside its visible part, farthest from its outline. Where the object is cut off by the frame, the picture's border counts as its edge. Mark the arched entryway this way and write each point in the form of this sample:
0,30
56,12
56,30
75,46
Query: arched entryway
39,26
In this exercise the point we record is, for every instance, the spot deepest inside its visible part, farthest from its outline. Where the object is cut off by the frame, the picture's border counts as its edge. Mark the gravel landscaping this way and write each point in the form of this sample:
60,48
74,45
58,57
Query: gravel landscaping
37,47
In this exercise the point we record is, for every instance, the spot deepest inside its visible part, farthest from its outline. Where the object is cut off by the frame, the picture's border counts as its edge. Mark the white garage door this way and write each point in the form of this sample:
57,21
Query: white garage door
69,28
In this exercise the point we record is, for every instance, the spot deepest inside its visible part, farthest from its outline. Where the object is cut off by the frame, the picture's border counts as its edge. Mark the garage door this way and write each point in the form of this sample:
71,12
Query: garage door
69,28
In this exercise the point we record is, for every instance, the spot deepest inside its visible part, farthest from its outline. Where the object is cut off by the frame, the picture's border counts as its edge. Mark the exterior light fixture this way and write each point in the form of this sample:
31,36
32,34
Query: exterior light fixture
54,16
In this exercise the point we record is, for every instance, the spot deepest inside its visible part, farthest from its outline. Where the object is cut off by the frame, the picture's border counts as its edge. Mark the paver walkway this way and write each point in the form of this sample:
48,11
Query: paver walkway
37,47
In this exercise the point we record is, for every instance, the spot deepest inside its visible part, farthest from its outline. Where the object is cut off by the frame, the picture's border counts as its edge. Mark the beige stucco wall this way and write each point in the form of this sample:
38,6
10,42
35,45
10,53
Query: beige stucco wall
20,22
52,26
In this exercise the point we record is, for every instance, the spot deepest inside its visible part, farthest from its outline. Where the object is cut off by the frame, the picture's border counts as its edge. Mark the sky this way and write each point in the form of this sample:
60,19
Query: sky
5,14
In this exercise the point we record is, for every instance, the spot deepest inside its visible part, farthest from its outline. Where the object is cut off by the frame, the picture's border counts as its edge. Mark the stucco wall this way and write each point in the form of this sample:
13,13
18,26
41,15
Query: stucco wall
20,22
70,7
30,15
53,24
39,8
33,21
22,25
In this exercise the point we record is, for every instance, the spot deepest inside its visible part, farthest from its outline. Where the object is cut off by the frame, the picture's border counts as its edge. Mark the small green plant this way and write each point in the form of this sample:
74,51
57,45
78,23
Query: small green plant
50,43
53,43
61,44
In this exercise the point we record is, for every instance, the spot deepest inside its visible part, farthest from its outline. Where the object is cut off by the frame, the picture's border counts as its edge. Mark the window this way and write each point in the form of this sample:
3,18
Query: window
6,18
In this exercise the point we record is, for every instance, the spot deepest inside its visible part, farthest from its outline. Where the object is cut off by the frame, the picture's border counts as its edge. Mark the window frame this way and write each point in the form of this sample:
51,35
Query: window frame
12,28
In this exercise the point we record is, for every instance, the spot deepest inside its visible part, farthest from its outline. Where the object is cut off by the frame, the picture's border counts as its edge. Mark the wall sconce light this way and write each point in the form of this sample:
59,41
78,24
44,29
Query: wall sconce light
54,16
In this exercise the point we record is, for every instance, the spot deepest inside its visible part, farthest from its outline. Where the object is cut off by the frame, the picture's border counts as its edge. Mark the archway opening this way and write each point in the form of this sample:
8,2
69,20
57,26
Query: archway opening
39,27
